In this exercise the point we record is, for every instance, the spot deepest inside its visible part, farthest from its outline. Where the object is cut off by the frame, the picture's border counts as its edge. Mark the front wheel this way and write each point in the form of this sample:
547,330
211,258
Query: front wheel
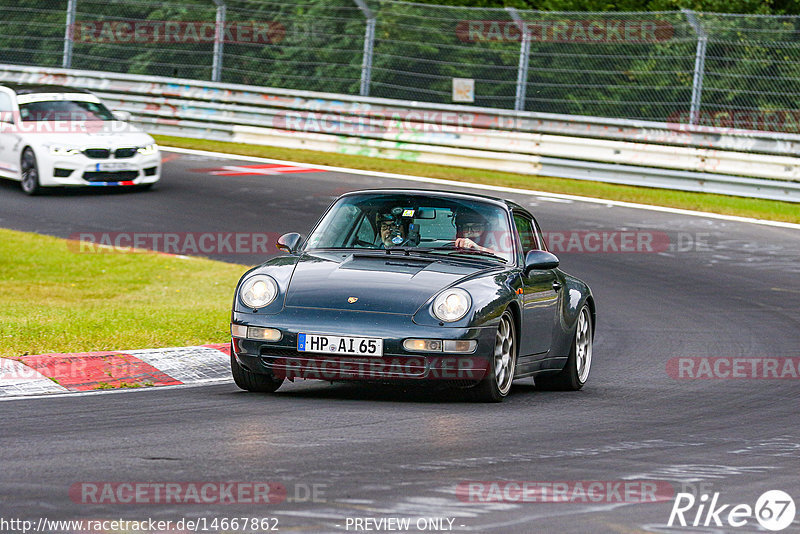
575,373
497,383
250,381
30,173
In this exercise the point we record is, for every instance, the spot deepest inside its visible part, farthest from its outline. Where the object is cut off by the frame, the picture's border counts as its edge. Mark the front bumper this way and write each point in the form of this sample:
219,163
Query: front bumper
282,359
81,170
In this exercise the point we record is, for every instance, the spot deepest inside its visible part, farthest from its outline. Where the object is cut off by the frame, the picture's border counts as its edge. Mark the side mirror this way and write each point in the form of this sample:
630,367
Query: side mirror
289,242
121,115
539,260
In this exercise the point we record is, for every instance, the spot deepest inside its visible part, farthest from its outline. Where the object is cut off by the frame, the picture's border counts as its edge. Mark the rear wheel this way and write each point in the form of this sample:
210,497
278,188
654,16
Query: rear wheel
250,381
575,373
30,173
497,383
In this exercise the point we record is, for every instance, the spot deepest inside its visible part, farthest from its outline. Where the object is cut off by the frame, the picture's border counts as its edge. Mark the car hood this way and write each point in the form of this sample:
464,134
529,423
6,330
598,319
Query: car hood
110,135
379,282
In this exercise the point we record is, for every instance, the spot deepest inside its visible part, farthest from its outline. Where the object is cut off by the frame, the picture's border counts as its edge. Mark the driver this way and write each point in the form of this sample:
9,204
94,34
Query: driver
391,229
470,231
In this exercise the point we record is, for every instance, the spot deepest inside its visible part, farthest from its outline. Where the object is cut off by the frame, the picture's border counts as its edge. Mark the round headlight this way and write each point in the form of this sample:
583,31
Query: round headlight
258,291
451,305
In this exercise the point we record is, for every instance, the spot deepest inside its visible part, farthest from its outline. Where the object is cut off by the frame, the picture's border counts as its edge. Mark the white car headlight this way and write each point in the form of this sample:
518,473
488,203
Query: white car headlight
148,150
451,305
57,150
258,291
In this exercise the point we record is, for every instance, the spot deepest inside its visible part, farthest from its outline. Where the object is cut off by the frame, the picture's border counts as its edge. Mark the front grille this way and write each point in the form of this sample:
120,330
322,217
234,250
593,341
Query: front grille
274,352
97,153
125,153
110,176
61,173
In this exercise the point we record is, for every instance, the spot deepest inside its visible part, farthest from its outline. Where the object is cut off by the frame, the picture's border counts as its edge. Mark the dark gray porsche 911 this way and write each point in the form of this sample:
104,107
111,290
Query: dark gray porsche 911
406,285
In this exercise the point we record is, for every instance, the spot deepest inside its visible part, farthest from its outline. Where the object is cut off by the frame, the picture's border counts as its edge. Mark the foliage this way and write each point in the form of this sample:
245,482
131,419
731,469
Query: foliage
752,62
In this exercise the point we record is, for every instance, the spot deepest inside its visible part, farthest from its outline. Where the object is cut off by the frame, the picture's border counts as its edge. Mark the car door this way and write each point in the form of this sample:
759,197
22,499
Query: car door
8,166
540,294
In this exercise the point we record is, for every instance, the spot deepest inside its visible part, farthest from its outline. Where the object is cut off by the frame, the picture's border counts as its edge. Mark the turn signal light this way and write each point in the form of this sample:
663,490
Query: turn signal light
465,346
423,345
255,332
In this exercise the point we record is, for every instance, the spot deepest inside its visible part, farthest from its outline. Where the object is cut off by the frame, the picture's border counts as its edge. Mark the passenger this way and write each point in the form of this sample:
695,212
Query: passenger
471,232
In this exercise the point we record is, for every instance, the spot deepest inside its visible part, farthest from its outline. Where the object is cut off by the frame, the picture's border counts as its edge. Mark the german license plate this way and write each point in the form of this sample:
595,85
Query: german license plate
351,346
114,166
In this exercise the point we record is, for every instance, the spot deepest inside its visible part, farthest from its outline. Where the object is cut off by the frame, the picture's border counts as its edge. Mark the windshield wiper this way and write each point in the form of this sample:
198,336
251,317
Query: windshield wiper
453,249
448,250
475,251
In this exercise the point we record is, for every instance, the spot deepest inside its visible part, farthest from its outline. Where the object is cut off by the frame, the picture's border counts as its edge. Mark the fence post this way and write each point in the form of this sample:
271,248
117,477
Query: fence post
699,66
524,54
369,44
66,61
219,40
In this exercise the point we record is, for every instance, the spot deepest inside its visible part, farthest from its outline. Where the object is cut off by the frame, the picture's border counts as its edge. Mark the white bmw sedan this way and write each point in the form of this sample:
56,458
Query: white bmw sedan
51,135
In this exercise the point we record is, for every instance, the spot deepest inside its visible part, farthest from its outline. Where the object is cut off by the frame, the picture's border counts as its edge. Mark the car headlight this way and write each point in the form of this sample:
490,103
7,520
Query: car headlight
451,305
148,150
258,291
57,150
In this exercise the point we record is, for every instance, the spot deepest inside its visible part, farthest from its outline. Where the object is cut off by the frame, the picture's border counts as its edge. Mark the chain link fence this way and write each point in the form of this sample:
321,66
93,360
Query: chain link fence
712,69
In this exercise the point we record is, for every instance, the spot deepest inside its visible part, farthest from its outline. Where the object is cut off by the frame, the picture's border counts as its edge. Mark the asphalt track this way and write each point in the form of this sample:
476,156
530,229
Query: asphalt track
389,452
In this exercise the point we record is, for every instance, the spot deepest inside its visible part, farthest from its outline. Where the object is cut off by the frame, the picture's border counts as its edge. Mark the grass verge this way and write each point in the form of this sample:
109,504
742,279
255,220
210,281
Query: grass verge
727,205
53,299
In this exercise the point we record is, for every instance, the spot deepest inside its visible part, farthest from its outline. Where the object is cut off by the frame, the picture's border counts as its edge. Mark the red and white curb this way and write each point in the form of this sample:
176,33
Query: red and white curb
87,371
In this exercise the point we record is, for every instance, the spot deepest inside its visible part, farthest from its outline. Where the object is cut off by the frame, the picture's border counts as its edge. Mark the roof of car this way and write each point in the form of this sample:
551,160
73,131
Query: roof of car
27,88
433,193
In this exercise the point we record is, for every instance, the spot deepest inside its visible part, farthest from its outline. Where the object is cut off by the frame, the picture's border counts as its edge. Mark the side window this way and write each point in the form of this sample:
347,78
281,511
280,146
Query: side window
526,236
5,107
366,232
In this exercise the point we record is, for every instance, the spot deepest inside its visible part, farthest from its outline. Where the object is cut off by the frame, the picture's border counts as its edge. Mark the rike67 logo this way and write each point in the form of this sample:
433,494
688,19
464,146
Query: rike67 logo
774,510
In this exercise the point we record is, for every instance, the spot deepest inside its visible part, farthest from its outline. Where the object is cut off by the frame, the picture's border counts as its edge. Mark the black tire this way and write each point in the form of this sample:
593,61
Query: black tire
30,173
574,374
250,381
497,383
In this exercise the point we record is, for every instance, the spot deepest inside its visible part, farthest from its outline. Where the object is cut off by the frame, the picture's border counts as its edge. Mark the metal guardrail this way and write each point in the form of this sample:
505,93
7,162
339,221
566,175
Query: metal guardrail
672,156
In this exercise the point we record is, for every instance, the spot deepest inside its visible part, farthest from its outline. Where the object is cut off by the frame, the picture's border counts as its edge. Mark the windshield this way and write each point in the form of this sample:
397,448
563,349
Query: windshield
415,223
64,110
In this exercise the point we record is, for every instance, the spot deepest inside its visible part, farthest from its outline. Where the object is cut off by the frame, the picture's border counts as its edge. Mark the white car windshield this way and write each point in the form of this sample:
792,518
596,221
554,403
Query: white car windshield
418,223
64,110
